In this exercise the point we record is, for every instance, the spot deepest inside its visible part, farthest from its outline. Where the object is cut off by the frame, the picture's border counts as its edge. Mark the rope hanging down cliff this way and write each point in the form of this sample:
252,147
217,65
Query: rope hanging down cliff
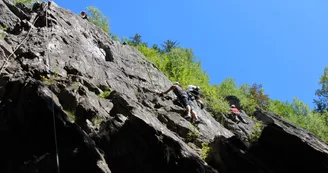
52,94
3,67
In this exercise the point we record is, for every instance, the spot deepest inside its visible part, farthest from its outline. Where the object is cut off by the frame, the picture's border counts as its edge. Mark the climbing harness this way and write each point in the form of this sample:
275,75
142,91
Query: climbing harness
52,94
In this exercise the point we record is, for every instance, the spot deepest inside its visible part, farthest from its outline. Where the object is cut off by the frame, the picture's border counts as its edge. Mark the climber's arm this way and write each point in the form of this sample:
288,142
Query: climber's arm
165,92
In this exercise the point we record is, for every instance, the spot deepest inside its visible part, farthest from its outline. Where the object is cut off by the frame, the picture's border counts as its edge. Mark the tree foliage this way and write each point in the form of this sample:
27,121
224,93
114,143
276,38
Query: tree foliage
313,121
300,114
155,47
256,133
136,40
23,1
2,32
180,64
280,108
256,93
27,3
169,44
98,18
114,37
322,94
300,108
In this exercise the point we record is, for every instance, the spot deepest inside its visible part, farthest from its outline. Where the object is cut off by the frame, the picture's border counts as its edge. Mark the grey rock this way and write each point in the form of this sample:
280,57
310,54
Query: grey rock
241,130
67,64
8,18
28,135
77,61
288,147
282,147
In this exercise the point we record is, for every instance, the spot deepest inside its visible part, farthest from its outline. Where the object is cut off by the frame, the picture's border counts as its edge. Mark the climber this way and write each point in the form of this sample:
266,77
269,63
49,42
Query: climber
236,115
84,15
193,93
183,97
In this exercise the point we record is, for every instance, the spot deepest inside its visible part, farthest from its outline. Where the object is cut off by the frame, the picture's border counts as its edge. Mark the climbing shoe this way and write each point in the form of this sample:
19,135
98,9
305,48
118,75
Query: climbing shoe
188,116
197,121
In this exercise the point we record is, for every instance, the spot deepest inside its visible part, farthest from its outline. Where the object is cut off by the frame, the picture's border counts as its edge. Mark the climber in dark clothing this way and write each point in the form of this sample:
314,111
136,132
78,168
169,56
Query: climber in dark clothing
193,93
84,15
236,115
183,97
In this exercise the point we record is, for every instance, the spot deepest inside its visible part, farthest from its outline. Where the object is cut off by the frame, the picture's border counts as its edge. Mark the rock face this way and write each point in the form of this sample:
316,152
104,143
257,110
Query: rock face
289,148
28,136
108,118
282,147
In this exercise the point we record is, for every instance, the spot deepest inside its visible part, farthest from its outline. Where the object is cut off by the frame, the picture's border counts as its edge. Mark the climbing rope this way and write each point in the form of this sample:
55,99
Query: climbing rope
52,95
3,67
21,43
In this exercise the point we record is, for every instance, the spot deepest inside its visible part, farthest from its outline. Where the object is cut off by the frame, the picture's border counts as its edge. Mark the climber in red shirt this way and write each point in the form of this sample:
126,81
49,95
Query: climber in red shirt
236,115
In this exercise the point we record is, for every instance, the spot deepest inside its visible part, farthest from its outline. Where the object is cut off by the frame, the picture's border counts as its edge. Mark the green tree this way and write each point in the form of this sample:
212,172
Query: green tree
160,60
180,64
168,45
155,47
229,87
300,108
313,121
248,104
98,18
136,39
256,93
181,67
322,94
114,37
127,41
283,109
300,114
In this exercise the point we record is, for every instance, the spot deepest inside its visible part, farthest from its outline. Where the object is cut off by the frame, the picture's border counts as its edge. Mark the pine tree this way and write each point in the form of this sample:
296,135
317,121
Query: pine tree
168,45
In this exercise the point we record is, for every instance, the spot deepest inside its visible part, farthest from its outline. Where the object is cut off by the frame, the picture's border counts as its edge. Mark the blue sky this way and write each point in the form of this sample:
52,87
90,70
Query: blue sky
281,44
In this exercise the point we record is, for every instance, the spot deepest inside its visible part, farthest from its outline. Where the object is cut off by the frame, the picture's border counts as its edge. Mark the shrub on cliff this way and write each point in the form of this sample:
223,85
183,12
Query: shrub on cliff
98,18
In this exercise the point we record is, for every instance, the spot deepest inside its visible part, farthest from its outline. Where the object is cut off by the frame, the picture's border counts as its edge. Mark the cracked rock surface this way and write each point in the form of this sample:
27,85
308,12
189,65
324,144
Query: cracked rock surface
62,72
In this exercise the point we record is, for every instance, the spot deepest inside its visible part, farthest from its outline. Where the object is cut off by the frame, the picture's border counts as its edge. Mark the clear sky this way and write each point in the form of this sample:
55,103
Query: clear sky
281,44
